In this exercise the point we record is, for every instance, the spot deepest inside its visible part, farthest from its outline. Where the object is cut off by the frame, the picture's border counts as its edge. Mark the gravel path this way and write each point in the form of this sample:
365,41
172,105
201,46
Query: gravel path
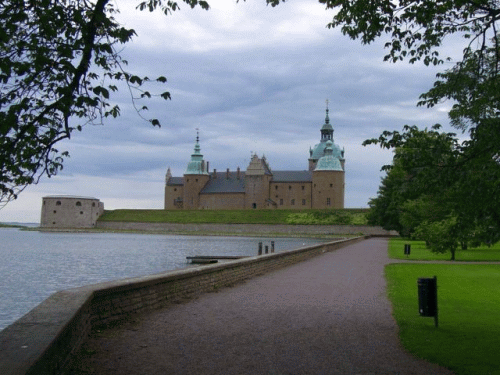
328,315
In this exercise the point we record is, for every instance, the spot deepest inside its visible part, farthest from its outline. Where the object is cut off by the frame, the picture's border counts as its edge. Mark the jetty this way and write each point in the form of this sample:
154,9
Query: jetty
209,259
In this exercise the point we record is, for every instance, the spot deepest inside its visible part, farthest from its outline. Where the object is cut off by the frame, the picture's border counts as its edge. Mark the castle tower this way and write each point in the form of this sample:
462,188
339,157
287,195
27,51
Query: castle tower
195,178
328,181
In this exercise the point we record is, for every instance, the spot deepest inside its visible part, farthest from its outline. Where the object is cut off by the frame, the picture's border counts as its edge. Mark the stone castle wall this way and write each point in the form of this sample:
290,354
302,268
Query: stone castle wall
70,212
239,229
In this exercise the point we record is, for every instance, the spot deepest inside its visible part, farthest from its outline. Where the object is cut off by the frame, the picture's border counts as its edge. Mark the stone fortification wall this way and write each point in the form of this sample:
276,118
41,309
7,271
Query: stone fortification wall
70,212
42,341
261,229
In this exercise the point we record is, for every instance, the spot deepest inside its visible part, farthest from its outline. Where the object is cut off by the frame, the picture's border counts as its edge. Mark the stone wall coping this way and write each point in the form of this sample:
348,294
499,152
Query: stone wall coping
181,274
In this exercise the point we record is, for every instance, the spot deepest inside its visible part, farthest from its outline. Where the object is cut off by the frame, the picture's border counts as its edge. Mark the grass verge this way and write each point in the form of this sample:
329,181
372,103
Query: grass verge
420,252
466,340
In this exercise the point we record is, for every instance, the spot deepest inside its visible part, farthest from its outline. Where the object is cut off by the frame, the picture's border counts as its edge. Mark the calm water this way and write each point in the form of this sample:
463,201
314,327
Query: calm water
33,265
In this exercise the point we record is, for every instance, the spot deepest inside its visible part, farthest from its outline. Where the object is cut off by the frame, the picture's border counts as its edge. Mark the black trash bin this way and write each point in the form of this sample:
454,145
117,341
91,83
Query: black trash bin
407,249
427,297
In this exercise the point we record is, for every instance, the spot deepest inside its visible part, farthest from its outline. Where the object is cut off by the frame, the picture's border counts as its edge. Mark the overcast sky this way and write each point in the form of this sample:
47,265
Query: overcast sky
251,78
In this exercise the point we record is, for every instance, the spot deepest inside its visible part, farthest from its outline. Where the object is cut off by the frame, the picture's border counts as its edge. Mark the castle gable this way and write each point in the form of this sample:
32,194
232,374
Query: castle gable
258,167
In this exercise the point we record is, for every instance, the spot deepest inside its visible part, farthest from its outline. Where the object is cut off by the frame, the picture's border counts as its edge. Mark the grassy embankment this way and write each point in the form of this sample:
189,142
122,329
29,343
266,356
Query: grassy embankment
466,340
308,217
2,225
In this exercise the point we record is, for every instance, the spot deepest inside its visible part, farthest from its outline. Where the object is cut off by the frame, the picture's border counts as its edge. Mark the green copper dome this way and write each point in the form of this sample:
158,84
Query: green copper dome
197,165
319,150
328,162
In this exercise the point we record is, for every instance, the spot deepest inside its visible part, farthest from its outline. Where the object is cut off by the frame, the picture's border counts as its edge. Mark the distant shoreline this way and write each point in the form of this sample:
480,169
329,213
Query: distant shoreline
228,230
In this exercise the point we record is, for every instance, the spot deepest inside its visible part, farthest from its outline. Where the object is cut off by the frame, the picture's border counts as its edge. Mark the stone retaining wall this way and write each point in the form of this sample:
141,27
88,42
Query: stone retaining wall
43,340
261,229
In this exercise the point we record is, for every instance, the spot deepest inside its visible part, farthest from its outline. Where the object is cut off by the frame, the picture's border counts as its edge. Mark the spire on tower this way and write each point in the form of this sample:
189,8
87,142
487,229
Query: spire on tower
327,119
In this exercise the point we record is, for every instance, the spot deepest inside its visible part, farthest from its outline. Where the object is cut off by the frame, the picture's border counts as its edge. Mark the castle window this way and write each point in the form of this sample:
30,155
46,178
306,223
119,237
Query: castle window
81,212
78,203
303,202
55,211
93,204
281,202
196,180
289,187
254,205
58,203
328,203
303,187
331,185
276,187
175,189
293,202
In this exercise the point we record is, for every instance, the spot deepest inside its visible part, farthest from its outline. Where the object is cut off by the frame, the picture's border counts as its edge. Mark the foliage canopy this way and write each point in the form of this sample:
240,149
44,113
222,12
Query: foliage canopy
60,67
436,187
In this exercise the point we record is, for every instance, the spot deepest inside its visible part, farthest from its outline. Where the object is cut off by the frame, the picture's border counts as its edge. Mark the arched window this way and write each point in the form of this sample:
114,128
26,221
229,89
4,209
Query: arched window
78,203
58,203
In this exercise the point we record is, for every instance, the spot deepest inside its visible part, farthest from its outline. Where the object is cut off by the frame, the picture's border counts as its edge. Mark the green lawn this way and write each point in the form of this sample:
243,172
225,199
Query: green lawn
420,252
347,216
466,340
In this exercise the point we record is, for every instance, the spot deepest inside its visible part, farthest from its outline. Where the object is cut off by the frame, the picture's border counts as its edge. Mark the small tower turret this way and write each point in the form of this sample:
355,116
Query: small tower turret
168,176
196,177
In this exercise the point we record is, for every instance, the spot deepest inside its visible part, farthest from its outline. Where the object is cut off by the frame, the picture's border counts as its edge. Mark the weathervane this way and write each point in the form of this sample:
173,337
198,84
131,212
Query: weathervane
197,135
327,101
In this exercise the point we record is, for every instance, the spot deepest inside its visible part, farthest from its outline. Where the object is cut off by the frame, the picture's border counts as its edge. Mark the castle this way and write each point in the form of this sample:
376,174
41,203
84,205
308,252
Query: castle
65,211
259,187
